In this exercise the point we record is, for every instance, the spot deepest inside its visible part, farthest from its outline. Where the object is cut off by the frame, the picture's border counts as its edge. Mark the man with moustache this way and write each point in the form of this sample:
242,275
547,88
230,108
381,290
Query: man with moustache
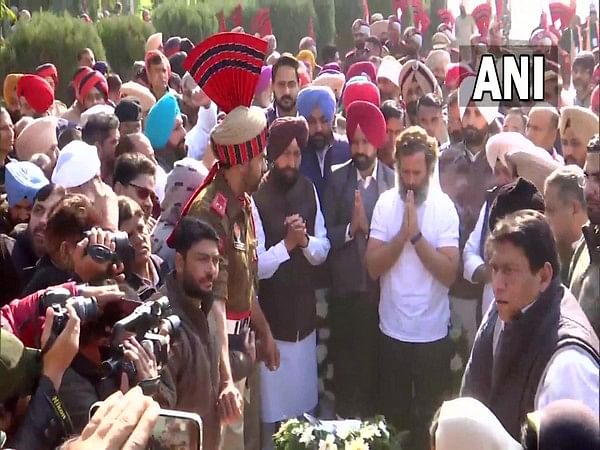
577,125
413,250
416,80
360,32
583,67
292,243
455,130
193,358
393,113
285,85
585,266
222,200
324,147
348,204
164,127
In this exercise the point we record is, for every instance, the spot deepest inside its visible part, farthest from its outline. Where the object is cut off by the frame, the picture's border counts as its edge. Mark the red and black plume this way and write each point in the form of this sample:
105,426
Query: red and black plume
227,66
482,14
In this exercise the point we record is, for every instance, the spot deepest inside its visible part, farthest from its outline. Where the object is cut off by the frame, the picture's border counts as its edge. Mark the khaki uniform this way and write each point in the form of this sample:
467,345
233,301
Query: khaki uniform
584,276
237,283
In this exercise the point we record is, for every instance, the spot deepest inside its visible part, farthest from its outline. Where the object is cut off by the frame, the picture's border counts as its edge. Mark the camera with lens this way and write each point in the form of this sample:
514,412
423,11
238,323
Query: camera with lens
56,298
145,324
124,251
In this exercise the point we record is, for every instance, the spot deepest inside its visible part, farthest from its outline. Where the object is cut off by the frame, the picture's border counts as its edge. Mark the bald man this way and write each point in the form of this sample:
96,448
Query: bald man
542,129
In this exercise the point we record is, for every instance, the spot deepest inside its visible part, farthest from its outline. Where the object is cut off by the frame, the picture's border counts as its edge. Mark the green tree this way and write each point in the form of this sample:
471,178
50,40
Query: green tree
49,38
180,19
124,38
325,22
346,12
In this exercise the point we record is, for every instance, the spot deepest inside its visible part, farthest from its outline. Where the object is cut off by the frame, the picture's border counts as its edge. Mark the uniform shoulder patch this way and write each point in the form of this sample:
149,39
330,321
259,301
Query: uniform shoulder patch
219,204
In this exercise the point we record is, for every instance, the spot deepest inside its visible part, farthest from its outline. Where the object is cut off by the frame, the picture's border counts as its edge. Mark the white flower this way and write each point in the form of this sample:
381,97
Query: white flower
356,444
343,433
307,436
369,432
456,363
328,443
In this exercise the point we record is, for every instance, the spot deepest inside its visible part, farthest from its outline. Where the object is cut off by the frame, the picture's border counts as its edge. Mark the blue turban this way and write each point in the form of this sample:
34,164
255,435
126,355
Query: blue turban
313,96
161,121
23,180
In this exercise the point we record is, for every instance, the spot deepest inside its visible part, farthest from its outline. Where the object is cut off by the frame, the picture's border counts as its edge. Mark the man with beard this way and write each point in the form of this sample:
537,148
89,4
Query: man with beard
194,358
393,114
577,125
430,117
29,244
455,130
360,32
413,247
164,128
102,130
465,175
585,266
387,78
285,85
222,200
292,242
416,80
583,67
324,148
348,204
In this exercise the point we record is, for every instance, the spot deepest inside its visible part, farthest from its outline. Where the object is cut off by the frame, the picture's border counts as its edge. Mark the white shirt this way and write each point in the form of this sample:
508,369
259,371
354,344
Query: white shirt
414,306
472,260
197,139
571,374
270,259
321,157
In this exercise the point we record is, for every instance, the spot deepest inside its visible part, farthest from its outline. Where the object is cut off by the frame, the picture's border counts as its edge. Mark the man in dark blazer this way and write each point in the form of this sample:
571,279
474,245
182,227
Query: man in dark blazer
348,202
324,148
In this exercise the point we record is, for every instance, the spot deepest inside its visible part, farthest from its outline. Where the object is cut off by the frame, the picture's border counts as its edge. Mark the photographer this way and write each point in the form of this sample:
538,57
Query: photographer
85,382
66,255
27,371
146,271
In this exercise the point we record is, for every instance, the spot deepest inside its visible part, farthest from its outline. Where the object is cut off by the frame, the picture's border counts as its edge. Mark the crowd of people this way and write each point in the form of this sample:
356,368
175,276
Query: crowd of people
326,230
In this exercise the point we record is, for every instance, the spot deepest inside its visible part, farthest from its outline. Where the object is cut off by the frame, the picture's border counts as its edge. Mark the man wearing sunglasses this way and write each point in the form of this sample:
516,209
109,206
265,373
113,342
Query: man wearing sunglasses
135,177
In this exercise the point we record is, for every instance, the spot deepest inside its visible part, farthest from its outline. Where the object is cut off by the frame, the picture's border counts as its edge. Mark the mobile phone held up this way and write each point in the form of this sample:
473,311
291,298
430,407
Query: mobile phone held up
174,430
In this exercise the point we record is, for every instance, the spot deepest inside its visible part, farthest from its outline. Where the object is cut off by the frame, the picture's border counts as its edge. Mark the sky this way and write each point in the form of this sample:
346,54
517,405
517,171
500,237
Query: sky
525,13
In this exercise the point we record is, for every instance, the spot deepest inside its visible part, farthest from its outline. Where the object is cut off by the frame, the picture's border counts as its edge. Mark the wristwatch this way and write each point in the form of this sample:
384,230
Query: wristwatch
416,238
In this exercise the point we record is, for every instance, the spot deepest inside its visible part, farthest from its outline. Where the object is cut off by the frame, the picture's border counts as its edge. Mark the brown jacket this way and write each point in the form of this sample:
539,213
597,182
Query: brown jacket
190,381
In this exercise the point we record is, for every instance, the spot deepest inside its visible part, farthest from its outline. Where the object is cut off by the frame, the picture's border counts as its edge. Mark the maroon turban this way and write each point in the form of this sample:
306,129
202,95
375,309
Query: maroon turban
366,68
370,119
282,132
37,92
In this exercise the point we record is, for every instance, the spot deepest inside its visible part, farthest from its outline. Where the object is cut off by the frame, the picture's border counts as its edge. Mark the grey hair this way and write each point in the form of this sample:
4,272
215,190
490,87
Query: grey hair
569,181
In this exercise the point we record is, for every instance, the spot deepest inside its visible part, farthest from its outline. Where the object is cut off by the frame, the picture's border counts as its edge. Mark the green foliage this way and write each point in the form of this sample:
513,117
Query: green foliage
123,38
380,6
325,22
49,38
346,12
196,22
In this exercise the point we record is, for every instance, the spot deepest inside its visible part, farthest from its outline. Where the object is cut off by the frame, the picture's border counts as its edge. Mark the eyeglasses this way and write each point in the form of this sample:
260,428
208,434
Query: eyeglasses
142,192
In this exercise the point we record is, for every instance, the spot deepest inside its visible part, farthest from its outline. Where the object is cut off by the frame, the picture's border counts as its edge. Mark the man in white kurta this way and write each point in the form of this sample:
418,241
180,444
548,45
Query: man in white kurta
292,242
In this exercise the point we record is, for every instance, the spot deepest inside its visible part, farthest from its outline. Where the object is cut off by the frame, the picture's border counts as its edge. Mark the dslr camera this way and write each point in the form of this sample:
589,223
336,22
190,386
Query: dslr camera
144,323
56,298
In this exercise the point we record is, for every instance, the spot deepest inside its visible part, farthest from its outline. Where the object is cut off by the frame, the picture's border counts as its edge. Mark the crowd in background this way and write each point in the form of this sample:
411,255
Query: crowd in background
341,236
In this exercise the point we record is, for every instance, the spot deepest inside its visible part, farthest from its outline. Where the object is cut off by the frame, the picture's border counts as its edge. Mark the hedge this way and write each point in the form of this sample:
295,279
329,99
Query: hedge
124,38
346,12
325,22
49,38
180,19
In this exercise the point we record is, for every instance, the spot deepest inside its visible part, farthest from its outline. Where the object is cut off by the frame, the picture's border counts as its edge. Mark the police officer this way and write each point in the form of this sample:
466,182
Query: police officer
238,142
46,422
